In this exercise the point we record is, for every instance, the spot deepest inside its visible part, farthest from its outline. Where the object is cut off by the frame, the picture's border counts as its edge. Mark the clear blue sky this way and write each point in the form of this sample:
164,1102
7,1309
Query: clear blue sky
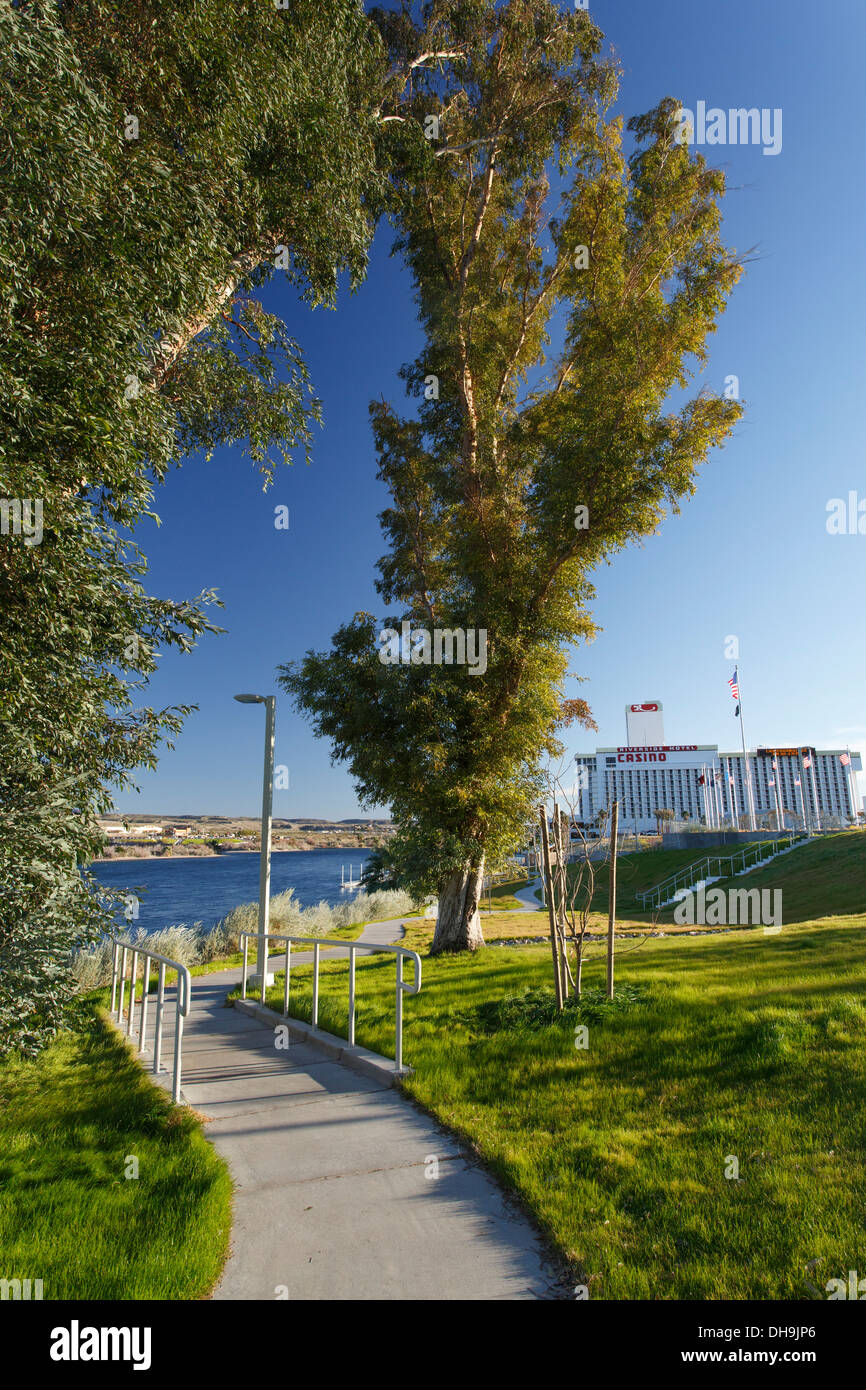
749,555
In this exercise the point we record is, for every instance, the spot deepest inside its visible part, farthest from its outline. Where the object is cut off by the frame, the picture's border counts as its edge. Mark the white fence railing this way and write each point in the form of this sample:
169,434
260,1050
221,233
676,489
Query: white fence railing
713,866
184,987
352,947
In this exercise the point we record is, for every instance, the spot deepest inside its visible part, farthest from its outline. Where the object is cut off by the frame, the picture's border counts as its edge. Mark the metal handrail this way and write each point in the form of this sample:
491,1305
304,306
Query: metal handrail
702,868
351,946
184,994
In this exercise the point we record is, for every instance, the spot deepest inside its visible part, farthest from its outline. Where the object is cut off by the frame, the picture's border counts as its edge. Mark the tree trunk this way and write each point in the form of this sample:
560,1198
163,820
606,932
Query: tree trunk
458,925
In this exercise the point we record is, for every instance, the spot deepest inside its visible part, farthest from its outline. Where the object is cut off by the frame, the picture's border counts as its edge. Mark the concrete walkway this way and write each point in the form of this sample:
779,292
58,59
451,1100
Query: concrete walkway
527,899
336,1187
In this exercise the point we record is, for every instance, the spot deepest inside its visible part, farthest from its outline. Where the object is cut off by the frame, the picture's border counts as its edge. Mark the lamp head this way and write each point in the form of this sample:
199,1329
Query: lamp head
250,699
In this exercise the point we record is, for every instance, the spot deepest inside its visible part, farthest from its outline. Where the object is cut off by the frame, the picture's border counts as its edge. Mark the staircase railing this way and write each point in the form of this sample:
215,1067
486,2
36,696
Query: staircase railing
184,993
713,866
352,947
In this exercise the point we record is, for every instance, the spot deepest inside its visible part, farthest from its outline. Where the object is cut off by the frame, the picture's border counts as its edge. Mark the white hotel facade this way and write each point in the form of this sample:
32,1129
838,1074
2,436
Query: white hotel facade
792,787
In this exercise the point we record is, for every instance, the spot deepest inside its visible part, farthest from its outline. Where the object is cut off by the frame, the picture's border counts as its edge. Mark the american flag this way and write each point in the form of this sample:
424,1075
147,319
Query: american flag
844,760
735,685
807,762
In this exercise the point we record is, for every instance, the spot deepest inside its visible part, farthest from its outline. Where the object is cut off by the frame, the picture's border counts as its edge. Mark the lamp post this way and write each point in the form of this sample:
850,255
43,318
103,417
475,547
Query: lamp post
270,704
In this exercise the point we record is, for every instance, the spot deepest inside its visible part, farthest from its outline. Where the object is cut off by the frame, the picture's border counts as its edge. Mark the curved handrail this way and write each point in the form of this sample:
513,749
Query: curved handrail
696,869
120,948
352,947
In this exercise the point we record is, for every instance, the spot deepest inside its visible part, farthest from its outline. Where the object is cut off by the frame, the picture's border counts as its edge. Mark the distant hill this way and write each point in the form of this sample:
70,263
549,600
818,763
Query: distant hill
246,822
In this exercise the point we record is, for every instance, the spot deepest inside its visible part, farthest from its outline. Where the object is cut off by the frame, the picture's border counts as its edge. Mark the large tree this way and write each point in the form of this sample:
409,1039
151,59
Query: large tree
566,292
161,161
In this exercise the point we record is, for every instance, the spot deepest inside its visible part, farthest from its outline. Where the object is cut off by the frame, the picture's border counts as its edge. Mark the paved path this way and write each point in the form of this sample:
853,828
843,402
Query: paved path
527,899
334,1193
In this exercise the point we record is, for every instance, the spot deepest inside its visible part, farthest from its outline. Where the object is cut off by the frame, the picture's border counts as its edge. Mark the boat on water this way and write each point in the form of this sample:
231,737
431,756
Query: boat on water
350,883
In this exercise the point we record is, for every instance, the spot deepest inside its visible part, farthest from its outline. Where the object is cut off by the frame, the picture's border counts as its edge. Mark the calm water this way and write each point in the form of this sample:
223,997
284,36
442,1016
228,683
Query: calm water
173,891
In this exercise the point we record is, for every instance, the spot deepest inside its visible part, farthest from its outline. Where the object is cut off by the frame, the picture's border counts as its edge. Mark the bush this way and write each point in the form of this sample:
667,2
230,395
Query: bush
198,946
536,1009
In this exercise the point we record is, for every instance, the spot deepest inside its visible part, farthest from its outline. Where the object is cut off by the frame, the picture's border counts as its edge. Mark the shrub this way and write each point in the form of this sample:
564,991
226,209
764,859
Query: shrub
535,1009
196,945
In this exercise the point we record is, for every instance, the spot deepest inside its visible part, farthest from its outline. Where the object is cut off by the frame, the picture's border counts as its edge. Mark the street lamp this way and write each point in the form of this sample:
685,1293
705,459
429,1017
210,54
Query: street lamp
270,704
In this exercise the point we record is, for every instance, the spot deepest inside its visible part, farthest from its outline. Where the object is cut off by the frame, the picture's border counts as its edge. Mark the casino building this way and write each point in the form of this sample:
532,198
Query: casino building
792,788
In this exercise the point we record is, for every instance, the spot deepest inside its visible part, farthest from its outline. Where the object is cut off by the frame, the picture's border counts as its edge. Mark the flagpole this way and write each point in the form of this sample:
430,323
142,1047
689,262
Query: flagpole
852,784
732,794
776,776
803,795
746,768
812,761
707,815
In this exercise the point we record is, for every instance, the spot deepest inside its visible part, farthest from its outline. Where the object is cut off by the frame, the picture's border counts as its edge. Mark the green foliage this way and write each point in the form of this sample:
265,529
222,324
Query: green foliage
750,1046
536,1009
156,158
70,1119
565,293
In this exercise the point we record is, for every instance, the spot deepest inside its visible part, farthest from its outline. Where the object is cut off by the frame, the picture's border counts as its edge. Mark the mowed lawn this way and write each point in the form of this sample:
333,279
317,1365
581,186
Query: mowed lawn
826,875
749,1057
71,1121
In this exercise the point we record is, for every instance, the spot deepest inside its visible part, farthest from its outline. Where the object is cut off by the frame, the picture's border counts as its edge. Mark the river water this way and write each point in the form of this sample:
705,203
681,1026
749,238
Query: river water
172,892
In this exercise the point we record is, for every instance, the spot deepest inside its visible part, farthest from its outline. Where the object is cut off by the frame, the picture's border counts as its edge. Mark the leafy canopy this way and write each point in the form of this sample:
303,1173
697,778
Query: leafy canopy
161,161
566,291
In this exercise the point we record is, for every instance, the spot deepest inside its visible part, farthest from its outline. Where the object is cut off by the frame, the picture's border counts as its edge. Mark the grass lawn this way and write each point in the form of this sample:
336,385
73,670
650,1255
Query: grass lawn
636,872
747,1046
743,1047
69,1122
828,873
501,896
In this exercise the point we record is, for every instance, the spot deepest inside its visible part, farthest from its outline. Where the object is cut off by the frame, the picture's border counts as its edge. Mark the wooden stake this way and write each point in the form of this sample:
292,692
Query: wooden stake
548,884
611,910
562,844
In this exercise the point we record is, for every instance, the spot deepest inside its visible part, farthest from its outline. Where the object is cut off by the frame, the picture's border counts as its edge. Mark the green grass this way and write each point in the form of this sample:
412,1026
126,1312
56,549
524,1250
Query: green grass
824,877
69,1122
502,897
733,1045
637,872
738,1045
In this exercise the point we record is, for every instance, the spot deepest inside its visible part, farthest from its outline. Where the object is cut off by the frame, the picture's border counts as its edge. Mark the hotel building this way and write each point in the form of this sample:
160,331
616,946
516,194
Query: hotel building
793,787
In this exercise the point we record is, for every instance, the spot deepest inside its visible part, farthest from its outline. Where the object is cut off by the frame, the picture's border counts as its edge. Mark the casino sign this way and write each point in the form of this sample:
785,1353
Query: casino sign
653,755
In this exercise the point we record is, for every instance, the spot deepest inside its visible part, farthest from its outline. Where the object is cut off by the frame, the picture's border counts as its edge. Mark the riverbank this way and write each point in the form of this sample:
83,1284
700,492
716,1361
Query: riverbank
131,852
163,890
